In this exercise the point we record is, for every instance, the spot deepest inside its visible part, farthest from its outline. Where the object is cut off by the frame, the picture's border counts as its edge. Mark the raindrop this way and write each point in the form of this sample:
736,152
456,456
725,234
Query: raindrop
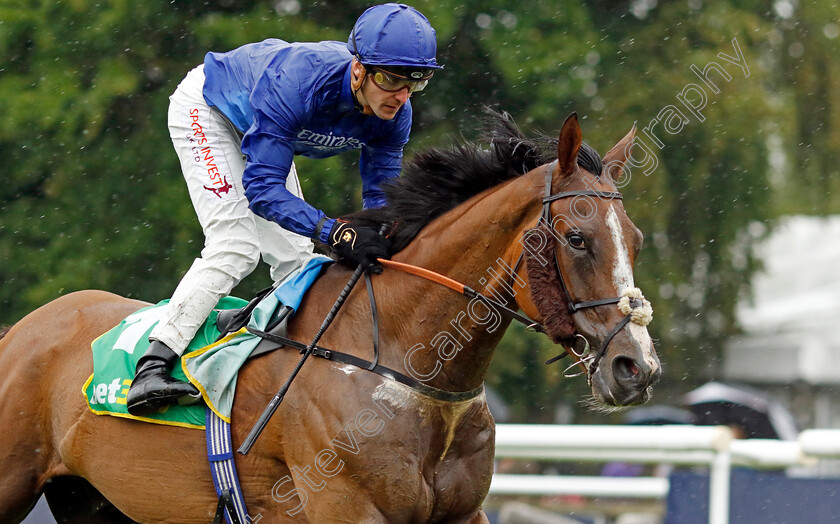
756,229
483,20
831,30
695,300
783,8
507,19
287,7
640,8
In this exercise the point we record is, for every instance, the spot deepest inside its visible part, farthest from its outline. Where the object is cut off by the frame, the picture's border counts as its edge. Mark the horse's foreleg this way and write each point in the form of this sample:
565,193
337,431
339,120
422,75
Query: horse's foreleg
24,462
17,502
74,501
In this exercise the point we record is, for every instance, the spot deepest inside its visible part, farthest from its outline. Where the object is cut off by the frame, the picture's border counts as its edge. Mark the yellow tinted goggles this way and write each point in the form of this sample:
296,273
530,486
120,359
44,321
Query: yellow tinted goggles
392,82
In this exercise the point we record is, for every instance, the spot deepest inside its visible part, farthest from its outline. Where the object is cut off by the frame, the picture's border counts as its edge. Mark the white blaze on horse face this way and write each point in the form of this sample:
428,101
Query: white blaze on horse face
623,279
622,272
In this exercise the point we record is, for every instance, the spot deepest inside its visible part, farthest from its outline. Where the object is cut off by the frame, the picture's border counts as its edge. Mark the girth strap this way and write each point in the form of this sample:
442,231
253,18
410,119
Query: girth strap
223,469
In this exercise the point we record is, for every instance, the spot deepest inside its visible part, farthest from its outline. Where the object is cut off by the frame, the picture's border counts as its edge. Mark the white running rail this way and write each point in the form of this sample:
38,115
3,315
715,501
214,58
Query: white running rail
687,445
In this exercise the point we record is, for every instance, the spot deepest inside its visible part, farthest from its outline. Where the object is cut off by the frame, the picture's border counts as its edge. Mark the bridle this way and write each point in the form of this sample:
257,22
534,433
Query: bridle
585,357
631,302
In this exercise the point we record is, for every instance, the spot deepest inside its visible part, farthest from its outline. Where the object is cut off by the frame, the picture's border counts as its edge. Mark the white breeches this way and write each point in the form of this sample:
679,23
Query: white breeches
208,146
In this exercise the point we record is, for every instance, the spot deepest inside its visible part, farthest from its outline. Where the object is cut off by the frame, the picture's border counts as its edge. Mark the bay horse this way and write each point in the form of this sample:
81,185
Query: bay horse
348,445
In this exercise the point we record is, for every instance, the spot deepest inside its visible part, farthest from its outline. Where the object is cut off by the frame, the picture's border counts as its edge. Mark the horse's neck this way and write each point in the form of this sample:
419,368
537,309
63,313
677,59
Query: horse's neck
475,244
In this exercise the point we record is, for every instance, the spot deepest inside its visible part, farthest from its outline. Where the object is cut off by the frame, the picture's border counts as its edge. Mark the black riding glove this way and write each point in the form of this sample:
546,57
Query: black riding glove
356,245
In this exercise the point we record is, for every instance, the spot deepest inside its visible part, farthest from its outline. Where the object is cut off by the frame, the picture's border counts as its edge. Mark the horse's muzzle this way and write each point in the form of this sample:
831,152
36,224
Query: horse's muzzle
625,378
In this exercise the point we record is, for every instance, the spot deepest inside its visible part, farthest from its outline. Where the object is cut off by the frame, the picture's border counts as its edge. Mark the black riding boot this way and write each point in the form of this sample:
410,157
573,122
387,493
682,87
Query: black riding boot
152,387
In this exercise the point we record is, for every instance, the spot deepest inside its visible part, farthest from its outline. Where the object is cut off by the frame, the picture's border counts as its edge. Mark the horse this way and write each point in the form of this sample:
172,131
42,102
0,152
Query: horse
346,444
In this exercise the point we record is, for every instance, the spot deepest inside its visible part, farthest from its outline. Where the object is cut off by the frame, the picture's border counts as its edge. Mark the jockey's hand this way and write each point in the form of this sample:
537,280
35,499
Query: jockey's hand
356,245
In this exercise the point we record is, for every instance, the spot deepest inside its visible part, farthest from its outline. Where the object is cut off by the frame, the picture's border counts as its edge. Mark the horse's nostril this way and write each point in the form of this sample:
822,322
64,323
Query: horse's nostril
625,368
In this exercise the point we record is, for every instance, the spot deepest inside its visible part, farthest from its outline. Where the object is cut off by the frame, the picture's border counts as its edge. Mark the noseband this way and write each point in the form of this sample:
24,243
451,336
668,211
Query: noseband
631,302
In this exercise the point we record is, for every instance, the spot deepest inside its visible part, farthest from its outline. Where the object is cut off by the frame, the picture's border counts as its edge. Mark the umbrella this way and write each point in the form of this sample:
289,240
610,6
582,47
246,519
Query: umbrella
758,415
659,415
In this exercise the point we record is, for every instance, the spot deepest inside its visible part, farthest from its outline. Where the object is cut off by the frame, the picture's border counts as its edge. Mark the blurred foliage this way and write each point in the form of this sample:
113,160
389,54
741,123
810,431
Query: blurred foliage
93,196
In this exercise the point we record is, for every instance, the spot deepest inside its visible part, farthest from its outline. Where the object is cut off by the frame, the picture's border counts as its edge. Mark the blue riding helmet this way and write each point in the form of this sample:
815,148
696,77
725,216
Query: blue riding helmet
395,37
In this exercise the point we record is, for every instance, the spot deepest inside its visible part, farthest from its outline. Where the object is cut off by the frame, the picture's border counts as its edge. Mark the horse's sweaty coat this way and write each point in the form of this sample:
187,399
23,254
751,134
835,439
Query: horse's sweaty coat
401,397
404,457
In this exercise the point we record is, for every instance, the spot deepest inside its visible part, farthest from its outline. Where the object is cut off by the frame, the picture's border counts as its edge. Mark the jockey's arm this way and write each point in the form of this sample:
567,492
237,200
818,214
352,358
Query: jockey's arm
381,161
269,150
377,170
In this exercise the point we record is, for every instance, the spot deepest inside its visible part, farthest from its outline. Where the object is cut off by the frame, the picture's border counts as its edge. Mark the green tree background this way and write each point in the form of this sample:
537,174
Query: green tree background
93,197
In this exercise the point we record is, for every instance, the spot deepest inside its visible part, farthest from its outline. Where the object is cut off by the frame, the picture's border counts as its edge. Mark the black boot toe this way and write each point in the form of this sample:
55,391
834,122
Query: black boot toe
155,389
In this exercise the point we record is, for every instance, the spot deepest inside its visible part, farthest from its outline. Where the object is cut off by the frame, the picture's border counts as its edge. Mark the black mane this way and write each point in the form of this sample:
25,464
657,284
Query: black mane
437,180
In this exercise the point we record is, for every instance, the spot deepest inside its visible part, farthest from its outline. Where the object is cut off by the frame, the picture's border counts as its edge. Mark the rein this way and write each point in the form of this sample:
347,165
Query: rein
374,366
463,289
631,302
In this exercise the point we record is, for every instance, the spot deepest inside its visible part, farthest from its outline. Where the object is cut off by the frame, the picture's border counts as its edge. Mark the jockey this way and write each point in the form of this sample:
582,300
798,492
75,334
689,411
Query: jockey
237,121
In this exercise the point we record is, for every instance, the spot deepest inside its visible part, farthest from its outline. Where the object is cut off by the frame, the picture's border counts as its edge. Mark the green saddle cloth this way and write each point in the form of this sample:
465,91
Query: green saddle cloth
210,365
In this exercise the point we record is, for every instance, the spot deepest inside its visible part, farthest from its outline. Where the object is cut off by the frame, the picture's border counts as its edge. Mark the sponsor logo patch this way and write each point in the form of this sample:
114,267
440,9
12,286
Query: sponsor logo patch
223,190
328,142
216,183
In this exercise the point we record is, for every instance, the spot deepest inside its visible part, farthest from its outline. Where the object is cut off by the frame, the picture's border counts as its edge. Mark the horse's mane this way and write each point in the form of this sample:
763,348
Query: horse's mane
4,330
438,179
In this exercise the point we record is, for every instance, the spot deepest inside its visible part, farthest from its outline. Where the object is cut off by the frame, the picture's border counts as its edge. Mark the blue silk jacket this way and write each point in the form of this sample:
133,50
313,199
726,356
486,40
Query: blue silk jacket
295,99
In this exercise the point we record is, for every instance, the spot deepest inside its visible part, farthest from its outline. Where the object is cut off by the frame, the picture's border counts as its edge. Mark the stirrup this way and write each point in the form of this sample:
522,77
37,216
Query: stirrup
191,399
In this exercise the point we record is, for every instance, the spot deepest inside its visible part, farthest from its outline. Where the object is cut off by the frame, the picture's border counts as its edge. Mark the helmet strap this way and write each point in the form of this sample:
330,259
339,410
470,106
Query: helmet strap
355,86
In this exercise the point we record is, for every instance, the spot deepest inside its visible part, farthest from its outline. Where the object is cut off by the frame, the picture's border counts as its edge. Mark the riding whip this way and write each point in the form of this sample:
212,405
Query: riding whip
278,398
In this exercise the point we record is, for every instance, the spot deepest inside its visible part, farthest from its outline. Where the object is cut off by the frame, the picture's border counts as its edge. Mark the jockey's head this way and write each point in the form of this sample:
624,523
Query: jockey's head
394,45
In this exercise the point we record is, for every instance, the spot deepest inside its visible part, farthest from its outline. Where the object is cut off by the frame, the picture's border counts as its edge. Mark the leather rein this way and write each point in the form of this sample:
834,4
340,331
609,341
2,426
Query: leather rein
586,358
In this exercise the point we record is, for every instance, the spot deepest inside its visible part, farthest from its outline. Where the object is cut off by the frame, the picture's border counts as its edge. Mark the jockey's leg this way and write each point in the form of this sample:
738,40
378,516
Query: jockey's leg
212,163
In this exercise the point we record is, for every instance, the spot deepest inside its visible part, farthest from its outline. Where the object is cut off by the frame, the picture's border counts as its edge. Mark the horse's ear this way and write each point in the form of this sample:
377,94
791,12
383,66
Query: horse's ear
617,156
568,145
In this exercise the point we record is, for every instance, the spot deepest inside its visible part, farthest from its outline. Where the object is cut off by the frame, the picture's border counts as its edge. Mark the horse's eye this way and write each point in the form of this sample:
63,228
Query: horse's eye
576,241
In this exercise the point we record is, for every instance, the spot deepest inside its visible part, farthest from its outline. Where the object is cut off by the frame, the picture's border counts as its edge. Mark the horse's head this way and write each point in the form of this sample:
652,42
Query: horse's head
580,268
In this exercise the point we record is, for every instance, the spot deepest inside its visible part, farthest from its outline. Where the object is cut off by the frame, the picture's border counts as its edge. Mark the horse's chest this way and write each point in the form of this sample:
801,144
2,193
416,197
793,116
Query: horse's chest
452,444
